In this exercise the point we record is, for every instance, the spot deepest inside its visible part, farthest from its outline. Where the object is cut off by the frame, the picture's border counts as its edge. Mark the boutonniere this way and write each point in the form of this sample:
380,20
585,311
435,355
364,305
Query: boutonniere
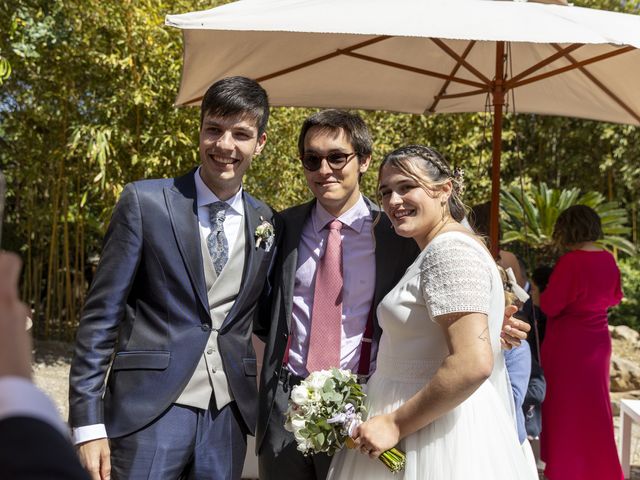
264,235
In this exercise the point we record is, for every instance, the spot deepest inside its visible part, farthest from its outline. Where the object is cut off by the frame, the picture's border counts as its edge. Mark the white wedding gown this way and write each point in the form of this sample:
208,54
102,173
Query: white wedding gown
477,439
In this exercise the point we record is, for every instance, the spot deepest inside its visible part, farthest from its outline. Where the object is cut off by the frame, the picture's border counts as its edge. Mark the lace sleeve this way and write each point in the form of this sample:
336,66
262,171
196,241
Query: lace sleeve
454,277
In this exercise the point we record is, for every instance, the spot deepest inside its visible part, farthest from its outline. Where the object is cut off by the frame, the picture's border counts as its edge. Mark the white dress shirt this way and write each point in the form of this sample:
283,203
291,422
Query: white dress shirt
233,216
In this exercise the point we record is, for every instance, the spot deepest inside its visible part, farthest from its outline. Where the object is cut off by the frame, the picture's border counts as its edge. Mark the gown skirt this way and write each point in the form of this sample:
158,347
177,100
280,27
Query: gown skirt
478,438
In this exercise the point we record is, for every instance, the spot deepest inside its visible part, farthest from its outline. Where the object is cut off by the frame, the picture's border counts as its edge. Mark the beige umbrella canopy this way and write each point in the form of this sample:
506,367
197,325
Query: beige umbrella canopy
422,56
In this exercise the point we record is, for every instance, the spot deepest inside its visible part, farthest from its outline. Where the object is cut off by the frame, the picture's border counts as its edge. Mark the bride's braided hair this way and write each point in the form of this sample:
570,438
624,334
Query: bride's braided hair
431,173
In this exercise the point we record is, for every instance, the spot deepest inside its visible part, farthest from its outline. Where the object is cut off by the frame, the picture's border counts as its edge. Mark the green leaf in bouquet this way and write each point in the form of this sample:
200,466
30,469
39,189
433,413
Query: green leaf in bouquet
331,396
323,426
329,385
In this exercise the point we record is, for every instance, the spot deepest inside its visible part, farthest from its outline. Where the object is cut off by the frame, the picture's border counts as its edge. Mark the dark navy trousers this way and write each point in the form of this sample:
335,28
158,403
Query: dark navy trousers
183,443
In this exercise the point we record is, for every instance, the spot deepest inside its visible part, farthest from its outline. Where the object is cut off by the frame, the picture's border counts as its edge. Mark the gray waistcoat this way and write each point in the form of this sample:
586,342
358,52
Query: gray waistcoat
209,376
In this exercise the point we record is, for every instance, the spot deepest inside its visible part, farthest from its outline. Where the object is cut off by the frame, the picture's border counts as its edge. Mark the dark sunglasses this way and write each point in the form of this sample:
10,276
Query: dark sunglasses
336,160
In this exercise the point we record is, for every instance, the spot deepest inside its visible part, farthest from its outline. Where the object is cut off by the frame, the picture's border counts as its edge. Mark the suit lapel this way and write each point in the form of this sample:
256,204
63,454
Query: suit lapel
381,255
293,234
252,218
183,213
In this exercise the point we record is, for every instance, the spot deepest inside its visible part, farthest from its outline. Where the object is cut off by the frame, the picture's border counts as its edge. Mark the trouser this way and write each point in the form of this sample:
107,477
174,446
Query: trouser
279,458
186,443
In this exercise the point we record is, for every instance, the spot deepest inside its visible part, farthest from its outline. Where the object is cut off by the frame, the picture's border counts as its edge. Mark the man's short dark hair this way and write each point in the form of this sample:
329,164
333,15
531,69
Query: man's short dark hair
333,120
233,96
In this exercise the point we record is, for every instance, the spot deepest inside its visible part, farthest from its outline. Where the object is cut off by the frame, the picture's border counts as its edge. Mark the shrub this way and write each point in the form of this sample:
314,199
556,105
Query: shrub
628,312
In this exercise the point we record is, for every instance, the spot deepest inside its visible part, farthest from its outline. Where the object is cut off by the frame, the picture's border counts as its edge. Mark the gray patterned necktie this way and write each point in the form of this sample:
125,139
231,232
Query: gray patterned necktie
217,241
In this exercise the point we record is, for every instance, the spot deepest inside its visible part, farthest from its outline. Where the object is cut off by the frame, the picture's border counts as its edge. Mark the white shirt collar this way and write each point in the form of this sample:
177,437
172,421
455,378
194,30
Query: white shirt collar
206,197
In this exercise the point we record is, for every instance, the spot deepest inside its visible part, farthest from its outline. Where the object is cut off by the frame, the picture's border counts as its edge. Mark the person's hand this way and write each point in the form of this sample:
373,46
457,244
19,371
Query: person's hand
377,435
95,456
15,342
513,330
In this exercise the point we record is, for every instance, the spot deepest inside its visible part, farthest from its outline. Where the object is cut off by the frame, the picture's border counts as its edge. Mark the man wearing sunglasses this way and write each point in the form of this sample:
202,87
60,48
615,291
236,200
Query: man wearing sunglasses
335,151
321,314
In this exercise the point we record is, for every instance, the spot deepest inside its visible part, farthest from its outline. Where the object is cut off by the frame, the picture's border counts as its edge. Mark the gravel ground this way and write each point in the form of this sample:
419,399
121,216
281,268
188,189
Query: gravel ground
51,373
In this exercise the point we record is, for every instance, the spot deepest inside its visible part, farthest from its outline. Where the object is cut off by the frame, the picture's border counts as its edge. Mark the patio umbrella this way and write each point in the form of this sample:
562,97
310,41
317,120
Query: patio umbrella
422,56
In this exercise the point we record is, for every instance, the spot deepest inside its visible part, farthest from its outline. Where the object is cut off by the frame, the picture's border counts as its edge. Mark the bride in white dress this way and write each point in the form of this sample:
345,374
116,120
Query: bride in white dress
440,390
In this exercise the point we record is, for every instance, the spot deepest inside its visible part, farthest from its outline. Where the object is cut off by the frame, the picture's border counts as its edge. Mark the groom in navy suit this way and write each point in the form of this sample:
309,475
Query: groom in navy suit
171,308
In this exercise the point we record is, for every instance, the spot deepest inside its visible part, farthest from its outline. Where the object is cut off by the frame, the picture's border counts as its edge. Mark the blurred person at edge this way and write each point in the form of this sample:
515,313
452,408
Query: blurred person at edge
34,441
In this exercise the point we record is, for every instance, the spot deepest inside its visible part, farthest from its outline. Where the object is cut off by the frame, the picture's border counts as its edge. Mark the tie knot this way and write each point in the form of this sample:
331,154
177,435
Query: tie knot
217,212
335,225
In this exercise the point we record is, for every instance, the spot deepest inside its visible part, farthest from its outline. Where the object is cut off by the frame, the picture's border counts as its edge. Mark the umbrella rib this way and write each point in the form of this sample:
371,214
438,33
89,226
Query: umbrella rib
322,58
446,84
409,68
600,85
543,63
461,60
469,93
308,63
568,68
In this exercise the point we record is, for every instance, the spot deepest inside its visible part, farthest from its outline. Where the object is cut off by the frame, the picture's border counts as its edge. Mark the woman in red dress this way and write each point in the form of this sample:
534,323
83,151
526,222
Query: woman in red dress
577,440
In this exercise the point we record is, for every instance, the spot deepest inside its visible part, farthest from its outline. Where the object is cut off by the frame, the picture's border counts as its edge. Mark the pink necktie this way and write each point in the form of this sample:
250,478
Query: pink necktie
326,316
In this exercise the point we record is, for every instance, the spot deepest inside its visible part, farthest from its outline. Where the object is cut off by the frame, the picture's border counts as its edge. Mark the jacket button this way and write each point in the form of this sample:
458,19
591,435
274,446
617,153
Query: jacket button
204,327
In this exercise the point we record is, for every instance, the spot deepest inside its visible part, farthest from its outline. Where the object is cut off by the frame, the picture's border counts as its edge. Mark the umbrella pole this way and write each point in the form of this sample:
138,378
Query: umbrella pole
498,102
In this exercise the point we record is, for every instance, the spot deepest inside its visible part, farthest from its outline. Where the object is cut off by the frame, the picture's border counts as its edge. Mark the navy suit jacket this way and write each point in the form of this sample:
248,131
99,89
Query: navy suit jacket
393,255
147,312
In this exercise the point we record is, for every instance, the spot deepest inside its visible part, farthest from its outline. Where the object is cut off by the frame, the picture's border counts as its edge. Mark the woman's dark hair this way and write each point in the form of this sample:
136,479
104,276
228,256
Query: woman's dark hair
427,167
577,224
480,218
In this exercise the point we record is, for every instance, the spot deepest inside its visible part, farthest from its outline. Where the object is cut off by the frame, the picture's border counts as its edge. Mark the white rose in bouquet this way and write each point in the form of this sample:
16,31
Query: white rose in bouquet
300,395
316,380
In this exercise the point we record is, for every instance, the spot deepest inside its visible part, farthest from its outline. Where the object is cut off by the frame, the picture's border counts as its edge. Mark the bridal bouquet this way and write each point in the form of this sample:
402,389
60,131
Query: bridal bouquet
325,409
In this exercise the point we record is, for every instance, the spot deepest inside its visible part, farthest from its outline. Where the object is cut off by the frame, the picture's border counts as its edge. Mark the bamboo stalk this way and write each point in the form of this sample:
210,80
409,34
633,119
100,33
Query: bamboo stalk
68,303
77,254
28,288
52,256
634,221
37,305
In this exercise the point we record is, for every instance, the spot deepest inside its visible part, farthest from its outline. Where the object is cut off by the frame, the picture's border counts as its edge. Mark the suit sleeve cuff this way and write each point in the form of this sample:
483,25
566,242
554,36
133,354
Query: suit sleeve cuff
21,398
87,433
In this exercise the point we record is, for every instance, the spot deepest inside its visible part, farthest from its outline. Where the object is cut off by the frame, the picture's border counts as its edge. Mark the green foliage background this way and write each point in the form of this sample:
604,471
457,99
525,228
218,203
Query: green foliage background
628,312
529,218
86,105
